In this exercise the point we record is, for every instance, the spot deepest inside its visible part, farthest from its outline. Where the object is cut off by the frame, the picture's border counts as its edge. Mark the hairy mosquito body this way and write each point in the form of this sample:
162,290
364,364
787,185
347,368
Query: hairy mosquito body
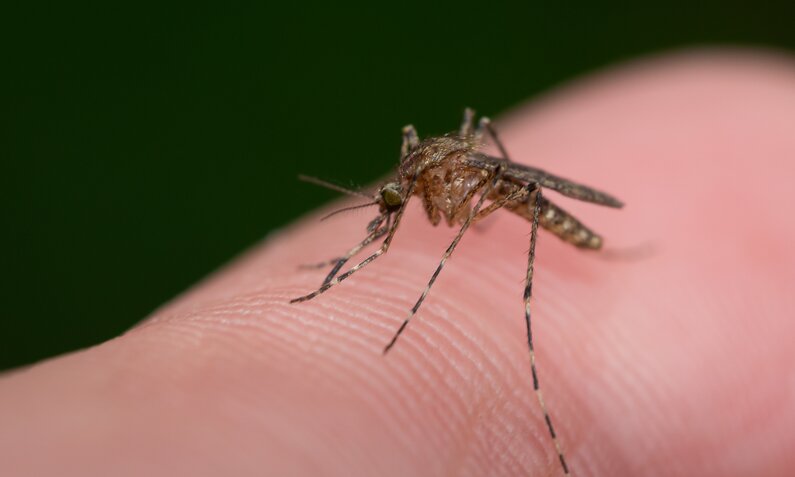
448,173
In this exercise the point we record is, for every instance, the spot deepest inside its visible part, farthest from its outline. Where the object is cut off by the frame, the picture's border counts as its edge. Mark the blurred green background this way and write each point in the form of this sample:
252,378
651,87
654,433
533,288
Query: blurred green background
145,145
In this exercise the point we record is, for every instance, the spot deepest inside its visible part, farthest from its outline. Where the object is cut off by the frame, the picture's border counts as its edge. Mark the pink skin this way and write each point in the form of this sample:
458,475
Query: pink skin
677,361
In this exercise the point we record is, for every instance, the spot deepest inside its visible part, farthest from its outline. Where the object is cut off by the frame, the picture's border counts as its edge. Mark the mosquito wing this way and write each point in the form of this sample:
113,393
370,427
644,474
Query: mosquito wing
523,173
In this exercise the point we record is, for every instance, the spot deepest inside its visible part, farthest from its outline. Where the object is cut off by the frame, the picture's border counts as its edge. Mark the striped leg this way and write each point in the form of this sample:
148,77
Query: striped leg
528,292
382,250
371,228
496,176
340,262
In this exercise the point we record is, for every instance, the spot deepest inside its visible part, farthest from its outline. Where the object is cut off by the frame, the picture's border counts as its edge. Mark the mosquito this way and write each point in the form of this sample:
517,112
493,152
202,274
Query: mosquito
447,173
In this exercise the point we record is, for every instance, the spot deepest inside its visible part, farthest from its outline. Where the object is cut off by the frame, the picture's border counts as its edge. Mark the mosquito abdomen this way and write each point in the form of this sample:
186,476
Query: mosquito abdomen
560,223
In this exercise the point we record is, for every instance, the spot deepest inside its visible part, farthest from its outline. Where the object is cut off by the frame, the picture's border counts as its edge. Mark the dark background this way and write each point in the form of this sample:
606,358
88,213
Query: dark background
144,146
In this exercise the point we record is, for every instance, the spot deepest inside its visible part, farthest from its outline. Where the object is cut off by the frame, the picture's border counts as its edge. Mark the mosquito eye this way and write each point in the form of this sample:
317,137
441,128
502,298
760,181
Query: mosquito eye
391,197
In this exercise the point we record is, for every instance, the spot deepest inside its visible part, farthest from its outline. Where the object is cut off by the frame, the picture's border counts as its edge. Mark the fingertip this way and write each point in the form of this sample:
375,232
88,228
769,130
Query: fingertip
242,374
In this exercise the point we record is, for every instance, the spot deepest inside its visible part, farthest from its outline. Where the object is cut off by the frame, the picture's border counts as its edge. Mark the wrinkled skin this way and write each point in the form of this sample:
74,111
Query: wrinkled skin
673,361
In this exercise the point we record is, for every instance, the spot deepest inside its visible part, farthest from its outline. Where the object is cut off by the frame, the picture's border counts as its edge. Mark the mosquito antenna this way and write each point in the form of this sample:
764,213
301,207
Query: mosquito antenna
329,185
348,208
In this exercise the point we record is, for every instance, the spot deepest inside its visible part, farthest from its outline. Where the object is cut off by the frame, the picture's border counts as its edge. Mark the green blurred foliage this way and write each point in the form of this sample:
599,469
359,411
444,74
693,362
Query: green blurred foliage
145,145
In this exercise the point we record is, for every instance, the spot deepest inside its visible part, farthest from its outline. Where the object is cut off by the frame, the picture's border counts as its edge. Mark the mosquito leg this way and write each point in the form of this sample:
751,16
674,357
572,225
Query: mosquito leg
340,262
470,194
410,140
519,195
466,128
382,250
447,253
372,228
315,266
484,126
528,292
480,131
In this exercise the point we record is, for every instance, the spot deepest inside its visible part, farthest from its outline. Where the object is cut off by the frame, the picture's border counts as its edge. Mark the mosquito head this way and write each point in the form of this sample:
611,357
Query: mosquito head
390,197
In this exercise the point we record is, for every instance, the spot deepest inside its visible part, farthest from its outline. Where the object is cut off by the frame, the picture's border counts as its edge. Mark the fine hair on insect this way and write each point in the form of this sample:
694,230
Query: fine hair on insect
448,173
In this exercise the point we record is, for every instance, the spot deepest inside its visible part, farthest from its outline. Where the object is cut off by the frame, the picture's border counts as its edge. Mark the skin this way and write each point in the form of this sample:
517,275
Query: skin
669,353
